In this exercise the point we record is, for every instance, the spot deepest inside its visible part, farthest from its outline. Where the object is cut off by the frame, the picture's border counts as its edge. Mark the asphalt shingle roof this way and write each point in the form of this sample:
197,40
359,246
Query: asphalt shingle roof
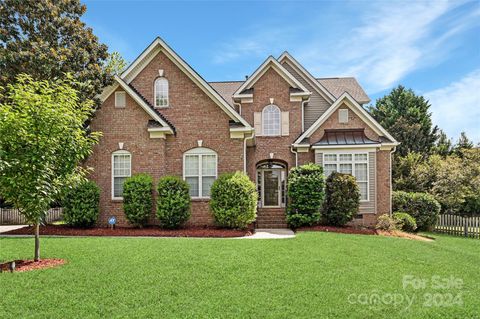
336,86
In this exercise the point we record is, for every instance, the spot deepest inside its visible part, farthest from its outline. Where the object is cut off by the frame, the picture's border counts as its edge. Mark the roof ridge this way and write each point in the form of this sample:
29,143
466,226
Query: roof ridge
232,81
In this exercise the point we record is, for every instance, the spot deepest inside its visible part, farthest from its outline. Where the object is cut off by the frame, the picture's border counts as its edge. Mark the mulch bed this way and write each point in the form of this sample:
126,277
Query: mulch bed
62,230
27,265
343,230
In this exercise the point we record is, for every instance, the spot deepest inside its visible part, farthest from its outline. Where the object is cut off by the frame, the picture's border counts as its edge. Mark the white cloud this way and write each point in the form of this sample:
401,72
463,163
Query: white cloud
389,41
456,107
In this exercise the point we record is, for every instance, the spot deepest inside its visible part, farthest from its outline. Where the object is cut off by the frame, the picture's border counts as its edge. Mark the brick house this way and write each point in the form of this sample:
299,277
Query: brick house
162,118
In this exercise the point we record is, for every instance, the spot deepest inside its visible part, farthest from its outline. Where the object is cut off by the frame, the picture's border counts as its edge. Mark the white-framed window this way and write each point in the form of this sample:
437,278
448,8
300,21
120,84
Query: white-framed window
355,164
343,116
121,170
271,117
120,99
200,171
161,92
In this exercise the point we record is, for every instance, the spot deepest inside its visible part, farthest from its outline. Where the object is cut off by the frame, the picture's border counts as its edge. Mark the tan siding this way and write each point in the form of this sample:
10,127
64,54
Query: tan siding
369,207
319,159
317,104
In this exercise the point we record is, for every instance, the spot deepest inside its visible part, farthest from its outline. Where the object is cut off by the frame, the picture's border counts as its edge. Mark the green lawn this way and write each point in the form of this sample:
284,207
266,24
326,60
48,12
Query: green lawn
316,275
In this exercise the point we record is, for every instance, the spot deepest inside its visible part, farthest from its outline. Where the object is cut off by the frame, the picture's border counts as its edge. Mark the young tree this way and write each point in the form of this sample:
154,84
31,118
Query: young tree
42,142
46,38
406,116
115,64
462,144
443,147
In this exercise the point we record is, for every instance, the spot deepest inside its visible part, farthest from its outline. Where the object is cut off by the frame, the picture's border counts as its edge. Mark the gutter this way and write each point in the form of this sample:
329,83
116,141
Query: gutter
296,155
245,151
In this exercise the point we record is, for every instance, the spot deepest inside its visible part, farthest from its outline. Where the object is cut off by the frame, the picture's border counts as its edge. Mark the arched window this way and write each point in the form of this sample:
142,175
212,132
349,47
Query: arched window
121,170
161,92
200,170
271,120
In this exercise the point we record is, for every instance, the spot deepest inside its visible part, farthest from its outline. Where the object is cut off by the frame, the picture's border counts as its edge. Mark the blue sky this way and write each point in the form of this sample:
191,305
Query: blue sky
432,47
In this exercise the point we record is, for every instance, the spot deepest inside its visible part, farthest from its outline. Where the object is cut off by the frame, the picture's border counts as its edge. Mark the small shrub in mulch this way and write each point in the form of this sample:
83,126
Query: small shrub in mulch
27,265
151,231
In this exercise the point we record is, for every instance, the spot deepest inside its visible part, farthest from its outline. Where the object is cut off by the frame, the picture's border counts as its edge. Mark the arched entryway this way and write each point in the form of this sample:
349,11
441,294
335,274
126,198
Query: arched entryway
271,184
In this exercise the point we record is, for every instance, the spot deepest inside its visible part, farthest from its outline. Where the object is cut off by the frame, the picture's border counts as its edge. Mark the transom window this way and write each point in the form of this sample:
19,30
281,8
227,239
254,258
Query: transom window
161,92
355,164
121,170
200,171
271,117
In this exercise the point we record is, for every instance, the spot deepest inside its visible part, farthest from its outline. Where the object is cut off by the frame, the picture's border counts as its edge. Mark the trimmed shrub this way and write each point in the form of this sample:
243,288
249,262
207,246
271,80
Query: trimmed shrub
342,199
407,223
137,199
81,204
173,202
306,193
421,206
387,223
234,200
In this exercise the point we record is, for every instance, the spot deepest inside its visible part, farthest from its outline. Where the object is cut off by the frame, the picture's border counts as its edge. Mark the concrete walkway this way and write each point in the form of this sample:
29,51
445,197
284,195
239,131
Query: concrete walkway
5,228
271,233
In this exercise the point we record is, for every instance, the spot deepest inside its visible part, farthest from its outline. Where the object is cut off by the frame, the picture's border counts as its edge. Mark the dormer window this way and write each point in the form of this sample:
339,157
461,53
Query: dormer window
161,92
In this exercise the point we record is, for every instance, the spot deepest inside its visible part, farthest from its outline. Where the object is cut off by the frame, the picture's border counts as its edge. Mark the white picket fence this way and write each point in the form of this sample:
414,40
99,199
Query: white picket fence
458,225
11,216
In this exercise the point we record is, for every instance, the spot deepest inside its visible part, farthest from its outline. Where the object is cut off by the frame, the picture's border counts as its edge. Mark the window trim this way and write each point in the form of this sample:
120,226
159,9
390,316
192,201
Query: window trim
279,120
161,78
119,152
353,162
200,152
124,99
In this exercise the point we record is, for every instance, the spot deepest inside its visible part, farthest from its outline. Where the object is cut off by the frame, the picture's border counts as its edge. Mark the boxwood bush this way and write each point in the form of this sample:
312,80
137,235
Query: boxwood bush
421,206
342,199
137,199
406,222
306,193
173,202
81,204
234,200
387,223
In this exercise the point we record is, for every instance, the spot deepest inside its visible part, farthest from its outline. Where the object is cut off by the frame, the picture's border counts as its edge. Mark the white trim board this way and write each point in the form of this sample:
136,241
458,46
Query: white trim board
157,46
357,109
307,76
270,62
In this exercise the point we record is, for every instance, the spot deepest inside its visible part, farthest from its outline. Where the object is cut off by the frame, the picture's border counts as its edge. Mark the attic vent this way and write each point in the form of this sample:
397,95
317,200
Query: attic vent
120,99
343,116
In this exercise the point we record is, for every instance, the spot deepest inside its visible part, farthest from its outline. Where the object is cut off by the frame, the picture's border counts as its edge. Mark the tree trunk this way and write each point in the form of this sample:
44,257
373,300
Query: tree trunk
37,242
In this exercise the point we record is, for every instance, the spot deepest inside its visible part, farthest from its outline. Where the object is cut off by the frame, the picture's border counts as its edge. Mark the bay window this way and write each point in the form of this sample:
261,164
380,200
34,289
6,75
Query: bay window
355,164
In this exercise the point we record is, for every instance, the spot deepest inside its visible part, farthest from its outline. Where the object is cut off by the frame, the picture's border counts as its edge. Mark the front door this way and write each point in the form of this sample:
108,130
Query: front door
271,188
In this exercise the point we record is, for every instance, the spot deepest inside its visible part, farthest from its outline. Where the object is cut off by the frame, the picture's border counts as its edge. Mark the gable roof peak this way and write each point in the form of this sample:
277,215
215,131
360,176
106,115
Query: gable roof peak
270,62
158,45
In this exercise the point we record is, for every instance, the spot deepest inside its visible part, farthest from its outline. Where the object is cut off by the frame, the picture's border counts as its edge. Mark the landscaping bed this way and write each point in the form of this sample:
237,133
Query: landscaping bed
343,230
27,265
62,230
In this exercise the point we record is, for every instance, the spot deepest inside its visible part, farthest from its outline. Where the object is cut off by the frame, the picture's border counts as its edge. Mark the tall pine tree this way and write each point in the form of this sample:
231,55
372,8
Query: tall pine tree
406,116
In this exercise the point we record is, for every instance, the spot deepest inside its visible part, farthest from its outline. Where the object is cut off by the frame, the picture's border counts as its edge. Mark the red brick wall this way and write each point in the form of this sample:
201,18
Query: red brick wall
195,117
272,85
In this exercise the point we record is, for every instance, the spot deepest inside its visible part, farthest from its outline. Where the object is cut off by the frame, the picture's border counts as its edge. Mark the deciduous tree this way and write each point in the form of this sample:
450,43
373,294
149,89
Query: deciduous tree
42,143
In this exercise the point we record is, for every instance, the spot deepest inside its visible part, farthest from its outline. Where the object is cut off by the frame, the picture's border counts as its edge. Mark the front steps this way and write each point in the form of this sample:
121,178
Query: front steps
271,218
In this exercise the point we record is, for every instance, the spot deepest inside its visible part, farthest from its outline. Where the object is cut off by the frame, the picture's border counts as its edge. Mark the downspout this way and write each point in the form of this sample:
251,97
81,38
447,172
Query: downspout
245,151
296,155
303,113
391,170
